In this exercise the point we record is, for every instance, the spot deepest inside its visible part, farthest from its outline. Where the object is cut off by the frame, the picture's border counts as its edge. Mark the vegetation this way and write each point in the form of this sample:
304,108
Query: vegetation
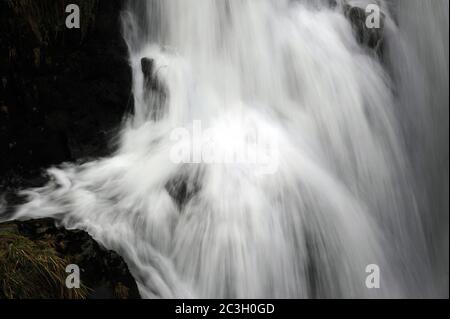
33,269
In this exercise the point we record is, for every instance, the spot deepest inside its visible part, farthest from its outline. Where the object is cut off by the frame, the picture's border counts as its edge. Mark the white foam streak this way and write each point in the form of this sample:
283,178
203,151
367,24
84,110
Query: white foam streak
341,197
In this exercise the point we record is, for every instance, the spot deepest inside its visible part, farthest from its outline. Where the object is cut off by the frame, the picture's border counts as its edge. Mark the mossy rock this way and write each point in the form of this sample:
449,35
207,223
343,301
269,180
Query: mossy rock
34,256
32,269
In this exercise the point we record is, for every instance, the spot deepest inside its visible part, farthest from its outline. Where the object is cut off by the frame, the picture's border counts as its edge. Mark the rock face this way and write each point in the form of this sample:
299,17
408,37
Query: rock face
63,94
155,91
370,37
37,253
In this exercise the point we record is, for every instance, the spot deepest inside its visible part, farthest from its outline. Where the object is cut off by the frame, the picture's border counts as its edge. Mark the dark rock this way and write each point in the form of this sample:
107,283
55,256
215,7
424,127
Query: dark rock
370,37
147,67
63,92
155,91
183,188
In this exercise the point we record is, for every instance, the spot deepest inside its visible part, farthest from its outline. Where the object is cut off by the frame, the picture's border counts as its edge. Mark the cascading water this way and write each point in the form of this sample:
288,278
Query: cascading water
339,179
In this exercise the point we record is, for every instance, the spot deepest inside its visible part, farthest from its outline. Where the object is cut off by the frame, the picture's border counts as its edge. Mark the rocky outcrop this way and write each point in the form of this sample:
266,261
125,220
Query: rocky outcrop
155,91
63,92
372,38
33,259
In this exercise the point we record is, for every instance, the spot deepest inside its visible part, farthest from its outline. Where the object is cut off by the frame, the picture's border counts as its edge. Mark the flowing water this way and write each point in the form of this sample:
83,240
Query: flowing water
346,153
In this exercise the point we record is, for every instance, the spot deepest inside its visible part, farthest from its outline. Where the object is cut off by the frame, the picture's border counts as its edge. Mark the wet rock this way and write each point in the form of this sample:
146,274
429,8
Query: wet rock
183,188
155,91
370,37
147,67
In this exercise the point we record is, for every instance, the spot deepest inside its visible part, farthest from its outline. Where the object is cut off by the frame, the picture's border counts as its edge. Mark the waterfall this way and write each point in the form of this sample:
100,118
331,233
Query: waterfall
272,154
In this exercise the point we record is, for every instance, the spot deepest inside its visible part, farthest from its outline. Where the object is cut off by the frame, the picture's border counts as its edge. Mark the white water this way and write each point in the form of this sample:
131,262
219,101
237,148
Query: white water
348,191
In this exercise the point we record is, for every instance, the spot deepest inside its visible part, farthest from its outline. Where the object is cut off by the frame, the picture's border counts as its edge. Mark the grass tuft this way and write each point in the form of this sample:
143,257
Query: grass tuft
33,270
